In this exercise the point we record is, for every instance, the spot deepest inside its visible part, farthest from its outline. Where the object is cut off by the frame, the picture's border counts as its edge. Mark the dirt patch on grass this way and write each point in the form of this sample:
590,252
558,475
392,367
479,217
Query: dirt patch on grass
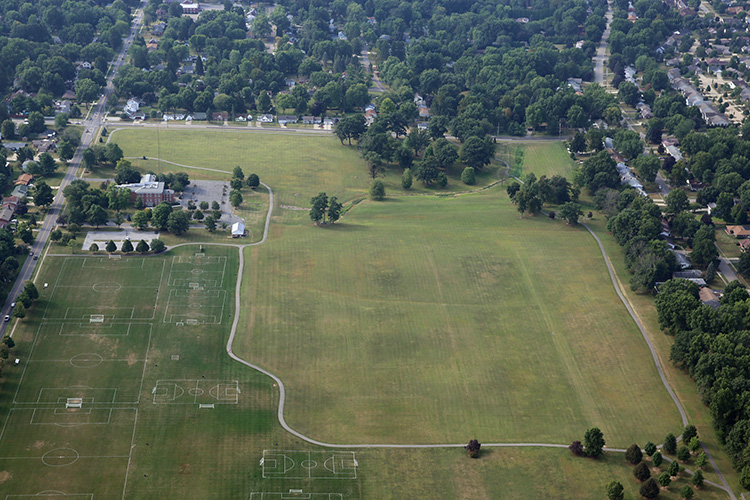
131,359
185,469
5,476
39,444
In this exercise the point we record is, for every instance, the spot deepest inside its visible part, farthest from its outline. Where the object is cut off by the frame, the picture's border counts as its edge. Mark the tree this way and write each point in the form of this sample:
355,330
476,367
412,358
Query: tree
473,448
576,448
236,184
237,173
468,177
86,90
694,444
20,311
178,223
94,247
571,211
210,223
647,167
46,164
593,442
689,433
140,219
417,140
142,247
111,246
633,454
704,248
615,491
96,215
8,340
350,127
198,215
31,290
253,181
697,478
377,190
235,198
687,492
334,209
89,158
674,469
36,122
670,444
157,246
664,479
127,246
649,448
477,152
61,121
406,181
701,460
319,207
649,489
683,454
427,170
657,458
641,471
677,201
160,216
442,179
8,129
43,194
23,298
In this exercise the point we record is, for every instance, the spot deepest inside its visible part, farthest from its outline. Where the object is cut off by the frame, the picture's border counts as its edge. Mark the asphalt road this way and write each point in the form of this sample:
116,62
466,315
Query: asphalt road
377,85
601,52
91,125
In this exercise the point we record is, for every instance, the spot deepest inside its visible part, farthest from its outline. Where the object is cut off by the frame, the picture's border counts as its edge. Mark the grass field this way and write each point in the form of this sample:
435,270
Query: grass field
517,336
541,158
419,319
297,166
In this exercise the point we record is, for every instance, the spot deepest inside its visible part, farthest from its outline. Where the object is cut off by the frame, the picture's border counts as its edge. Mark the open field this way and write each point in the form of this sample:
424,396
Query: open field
297,166
541,158
507,339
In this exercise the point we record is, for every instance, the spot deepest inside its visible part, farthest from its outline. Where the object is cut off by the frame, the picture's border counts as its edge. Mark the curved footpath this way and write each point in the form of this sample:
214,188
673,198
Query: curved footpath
282,390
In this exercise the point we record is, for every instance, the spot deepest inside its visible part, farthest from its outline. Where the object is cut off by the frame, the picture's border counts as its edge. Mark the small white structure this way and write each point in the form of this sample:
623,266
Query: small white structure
238,230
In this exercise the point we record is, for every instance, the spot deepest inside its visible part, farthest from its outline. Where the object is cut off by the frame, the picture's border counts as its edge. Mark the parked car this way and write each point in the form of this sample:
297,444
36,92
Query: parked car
7,318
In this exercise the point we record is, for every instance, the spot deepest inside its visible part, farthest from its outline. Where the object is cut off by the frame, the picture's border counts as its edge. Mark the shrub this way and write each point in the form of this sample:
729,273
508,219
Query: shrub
670,444
650,448
576,448
634,454
687,492
157,246
641,472
683,454
649,489
377,190
697,478
468,176
664,479
657,458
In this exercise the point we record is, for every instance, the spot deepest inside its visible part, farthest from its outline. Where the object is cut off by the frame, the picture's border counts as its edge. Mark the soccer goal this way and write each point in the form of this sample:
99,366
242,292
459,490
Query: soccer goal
96,318
74,403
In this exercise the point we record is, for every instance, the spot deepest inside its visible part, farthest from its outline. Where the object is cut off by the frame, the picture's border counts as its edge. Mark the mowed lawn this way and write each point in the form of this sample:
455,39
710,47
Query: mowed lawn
428,320
297,166
547,158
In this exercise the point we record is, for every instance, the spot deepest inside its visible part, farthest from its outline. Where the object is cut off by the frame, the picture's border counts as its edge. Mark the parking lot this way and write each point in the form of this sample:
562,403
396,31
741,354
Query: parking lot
210,191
